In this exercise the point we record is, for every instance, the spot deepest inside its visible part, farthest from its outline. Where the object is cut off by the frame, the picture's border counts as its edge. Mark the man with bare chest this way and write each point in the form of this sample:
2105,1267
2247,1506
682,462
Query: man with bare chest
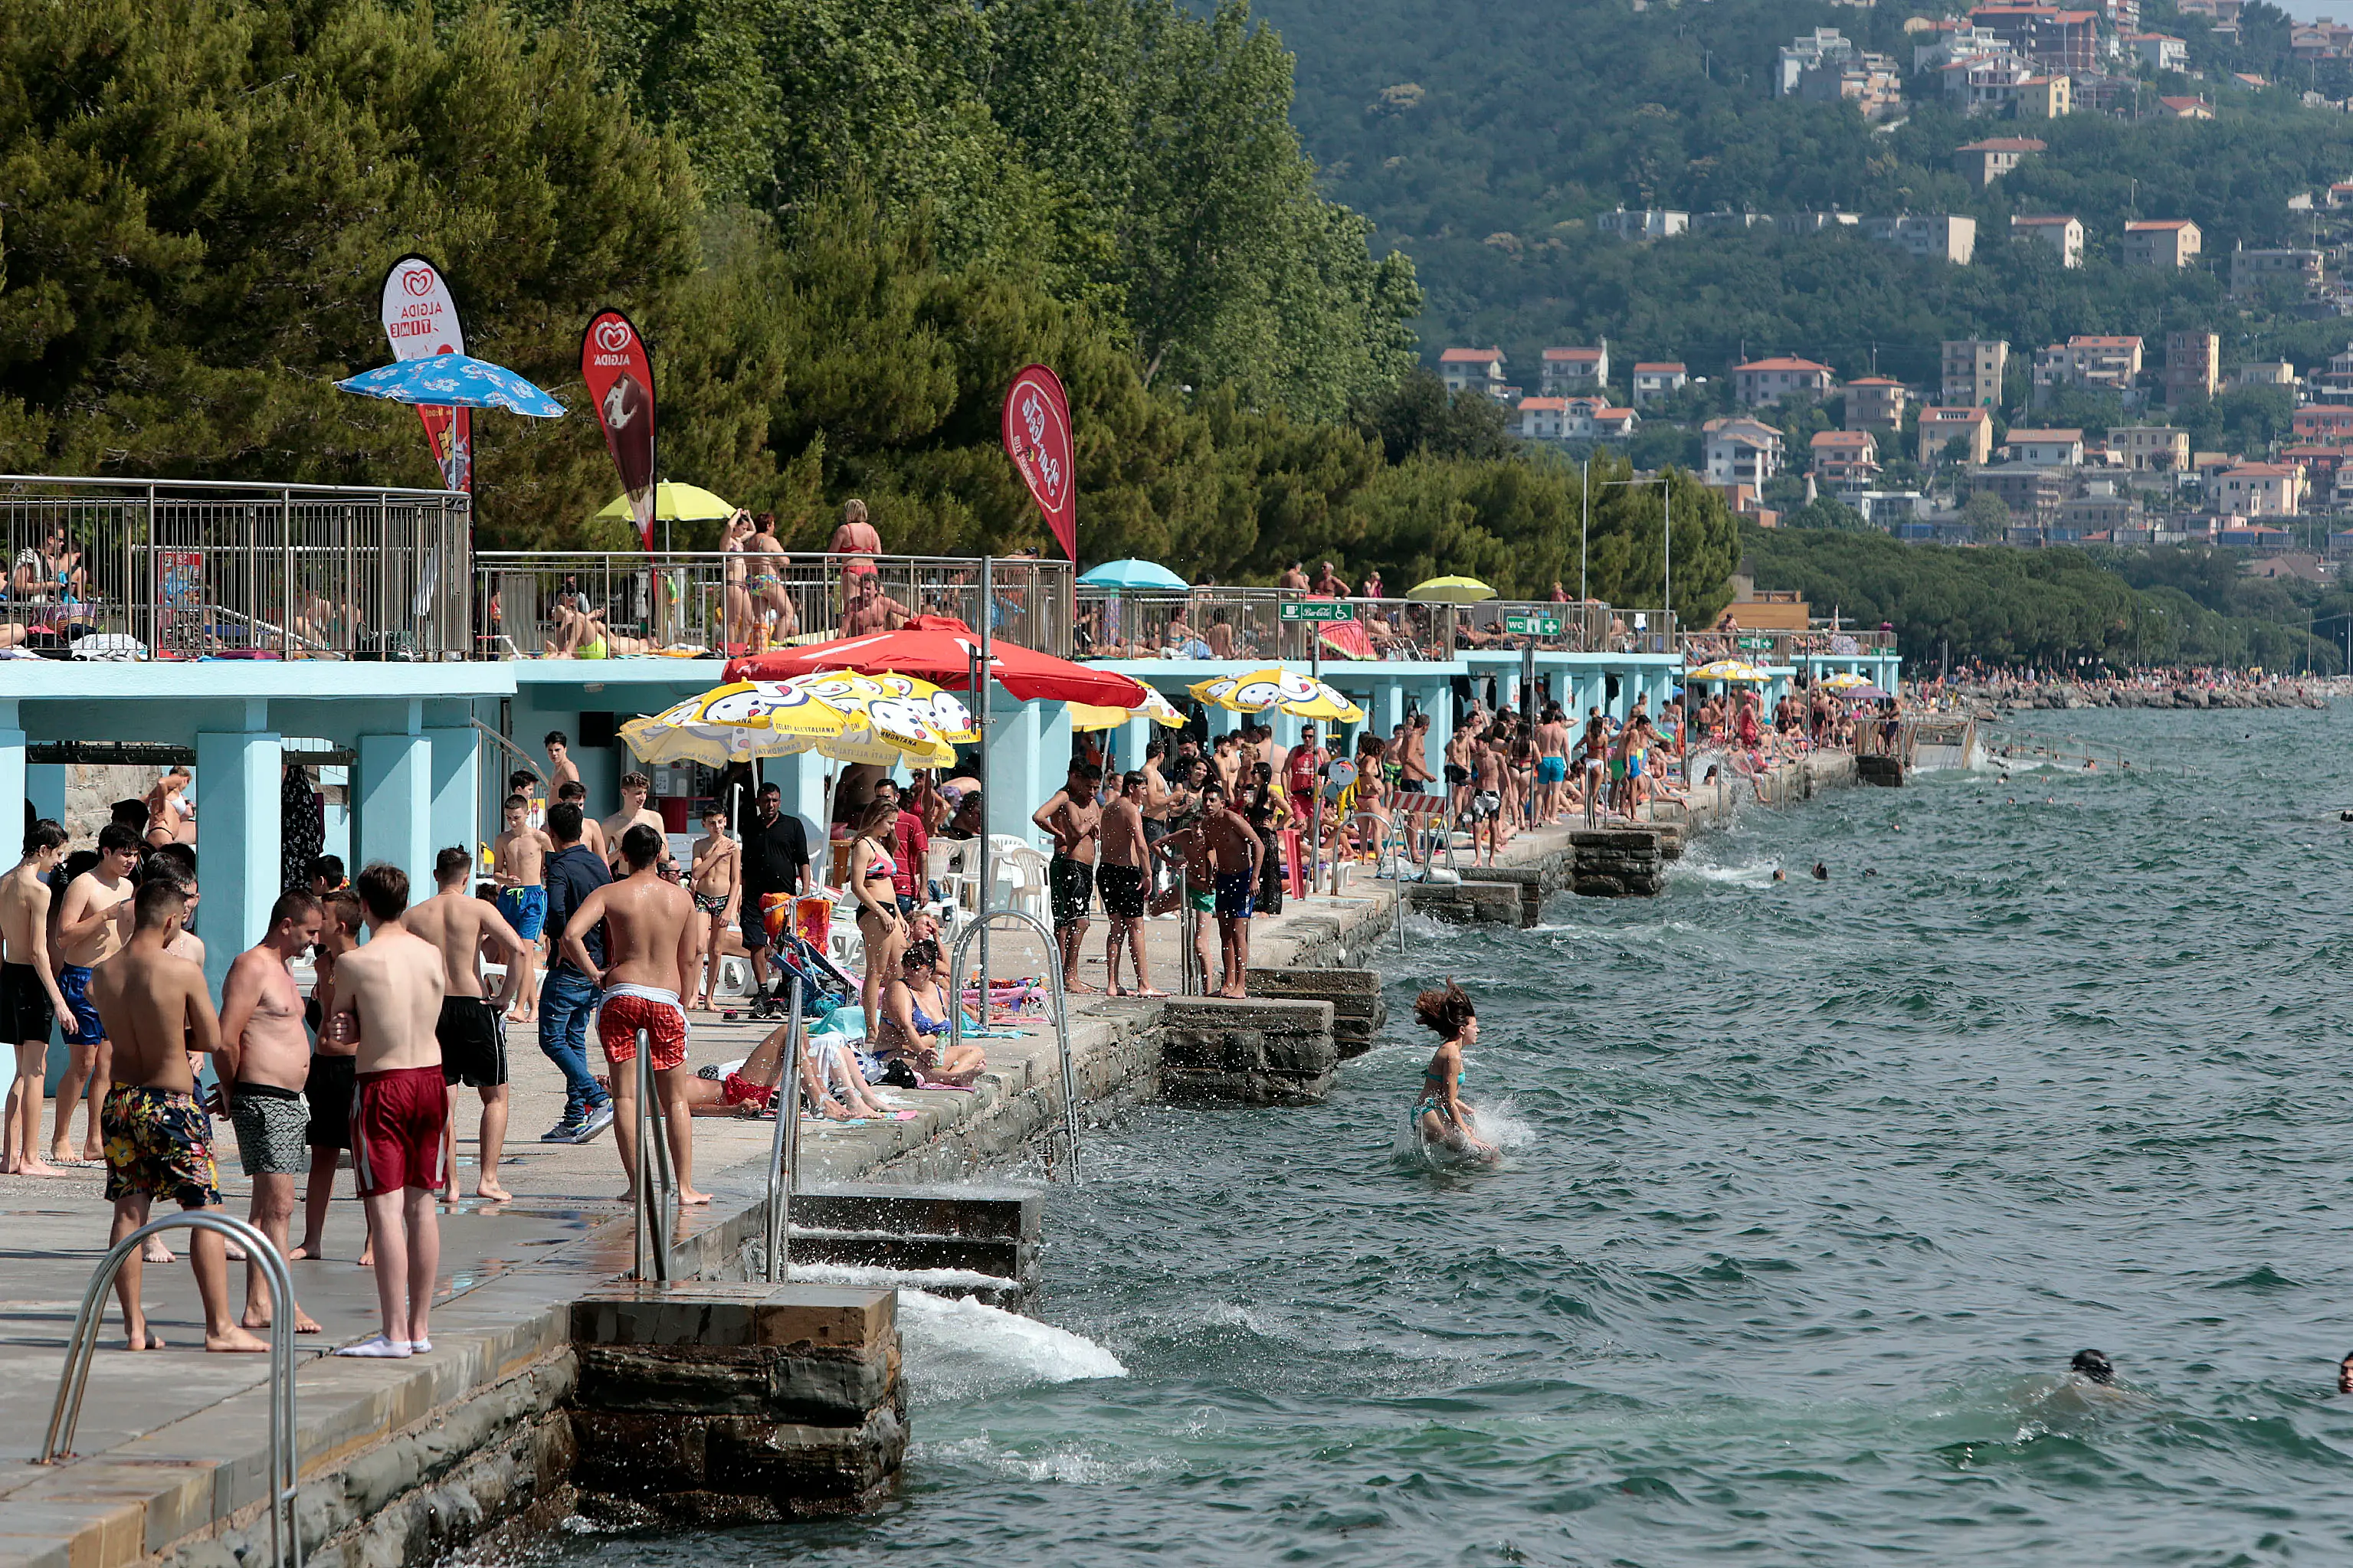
1075,822
93,922
637,789
155,1011
30,1002
1233,852
1121,875
472,1038
649,955
265,1065
392,989
716,885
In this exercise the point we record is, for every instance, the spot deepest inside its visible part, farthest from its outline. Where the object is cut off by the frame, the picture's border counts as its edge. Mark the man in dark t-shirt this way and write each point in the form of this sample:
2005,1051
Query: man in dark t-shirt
776,860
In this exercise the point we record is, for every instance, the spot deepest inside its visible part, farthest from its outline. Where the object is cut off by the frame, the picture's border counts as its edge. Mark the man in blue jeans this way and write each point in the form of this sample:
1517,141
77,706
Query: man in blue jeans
567,997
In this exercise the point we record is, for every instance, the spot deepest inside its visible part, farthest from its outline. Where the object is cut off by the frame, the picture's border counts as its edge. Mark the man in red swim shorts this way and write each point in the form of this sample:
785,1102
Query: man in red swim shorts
389,993
650,961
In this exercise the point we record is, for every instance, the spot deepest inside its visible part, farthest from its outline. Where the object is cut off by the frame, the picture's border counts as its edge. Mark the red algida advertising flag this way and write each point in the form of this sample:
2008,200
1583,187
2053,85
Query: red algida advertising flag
619,371
1037,439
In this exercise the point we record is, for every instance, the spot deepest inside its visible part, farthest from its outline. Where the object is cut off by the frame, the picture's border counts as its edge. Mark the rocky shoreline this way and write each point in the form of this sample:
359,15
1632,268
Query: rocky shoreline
1986,701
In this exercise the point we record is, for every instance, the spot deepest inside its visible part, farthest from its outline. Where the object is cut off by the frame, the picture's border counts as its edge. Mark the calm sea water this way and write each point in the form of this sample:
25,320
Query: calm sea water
1813,1190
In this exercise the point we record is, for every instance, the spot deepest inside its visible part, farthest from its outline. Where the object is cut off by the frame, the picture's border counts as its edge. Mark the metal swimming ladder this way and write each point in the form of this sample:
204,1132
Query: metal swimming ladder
285,1538
653,1219
978,925
785,1149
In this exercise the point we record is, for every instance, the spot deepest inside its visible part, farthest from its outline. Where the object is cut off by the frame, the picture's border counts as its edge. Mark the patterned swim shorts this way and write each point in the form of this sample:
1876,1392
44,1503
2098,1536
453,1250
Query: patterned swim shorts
158,1141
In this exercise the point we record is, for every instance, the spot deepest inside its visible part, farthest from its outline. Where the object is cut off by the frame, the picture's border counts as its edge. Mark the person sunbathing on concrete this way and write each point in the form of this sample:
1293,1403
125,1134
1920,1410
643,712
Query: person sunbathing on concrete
650,960
158,1139
916,1021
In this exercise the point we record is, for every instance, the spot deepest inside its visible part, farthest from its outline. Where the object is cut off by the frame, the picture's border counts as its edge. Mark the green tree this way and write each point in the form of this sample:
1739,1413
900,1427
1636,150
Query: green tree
1985,516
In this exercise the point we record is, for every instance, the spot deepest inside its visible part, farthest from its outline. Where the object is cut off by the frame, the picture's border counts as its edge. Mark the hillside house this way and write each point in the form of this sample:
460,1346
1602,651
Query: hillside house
1657,380
1469,369
1983,162
1567,371
1876,403
1939,427
2171,242
1739,450
1763,382
2062,235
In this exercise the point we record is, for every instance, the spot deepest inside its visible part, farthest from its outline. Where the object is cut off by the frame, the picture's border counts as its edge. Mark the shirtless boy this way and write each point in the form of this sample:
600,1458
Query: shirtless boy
636,789
29,999
1188,846
1122,874
518,855
561,769
592,835
473,1039
649,953
265,1065
1076,822
92,925
330,1086
155,1011
717,883
392,990
1234,850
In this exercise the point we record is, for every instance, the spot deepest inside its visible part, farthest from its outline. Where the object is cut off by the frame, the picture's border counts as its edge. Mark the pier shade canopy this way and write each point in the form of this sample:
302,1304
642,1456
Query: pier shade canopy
1086,717
940,649
673,502
748,719
1452,590
1729,669
454,381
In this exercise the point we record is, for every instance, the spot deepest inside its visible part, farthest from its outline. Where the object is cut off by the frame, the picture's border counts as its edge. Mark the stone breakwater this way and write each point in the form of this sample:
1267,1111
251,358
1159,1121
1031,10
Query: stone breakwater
1988,701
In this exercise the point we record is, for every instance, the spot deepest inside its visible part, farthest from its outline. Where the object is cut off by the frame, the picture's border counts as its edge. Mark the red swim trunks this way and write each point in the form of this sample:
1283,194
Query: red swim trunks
737,1090
396,1121
619,1019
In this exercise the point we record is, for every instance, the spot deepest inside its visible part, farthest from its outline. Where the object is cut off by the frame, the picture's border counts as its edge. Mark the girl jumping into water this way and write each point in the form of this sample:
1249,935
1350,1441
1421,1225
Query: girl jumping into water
1441,1116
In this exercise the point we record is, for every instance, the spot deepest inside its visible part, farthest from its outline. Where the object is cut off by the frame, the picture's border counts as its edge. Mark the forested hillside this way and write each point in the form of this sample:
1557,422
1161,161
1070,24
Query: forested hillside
844,224
1480,137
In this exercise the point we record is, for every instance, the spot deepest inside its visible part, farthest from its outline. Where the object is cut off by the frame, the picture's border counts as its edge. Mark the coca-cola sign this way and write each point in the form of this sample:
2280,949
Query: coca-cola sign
619,371
1037,439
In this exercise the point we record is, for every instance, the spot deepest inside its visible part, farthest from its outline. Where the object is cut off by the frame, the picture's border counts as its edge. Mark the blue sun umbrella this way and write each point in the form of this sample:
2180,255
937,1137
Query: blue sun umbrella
1132,574
455,380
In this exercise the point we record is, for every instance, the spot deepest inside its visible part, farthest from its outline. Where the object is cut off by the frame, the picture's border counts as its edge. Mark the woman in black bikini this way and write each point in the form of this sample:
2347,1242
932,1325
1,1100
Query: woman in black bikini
872,872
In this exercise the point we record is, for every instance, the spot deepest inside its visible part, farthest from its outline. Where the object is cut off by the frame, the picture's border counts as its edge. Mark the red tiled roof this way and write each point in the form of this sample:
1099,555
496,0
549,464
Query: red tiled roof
2147,225
1782,362
1829,439
2045,437
1470,356
1646,366
1543,405
2040,222
1874,381
2004,144
1573,354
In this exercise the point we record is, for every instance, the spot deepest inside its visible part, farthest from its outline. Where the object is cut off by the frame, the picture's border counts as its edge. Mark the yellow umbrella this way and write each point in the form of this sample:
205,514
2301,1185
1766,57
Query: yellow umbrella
673,503
1729,669
1301,696
1452,590
893,703
1845,680
1087,716
748,719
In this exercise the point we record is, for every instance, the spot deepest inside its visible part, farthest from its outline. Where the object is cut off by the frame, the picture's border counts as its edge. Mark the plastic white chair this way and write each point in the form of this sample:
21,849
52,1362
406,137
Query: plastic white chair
1019,873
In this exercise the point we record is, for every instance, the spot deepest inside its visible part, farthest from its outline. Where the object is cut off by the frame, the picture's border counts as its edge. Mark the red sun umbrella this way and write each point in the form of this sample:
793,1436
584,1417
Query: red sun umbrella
940,648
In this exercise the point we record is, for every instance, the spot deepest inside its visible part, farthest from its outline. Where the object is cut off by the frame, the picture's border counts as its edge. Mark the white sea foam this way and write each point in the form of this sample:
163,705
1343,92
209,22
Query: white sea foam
961,1349
1072,1467
904,1279
1756,873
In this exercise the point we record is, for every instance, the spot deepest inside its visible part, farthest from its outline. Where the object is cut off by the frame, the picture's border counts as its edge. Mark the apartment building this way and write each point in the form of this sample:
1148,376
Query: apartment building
2171,242
2063,40
1657,380
1983,162
2159,51
1646,223
2193,361
1940,235
1844,458
1767,381
1973,369
2251,270
2110,363
2151,449
2258,489
2062,235
1938,426
2046,448
1876,402
1466,370
2045,98
1739,450
1567,371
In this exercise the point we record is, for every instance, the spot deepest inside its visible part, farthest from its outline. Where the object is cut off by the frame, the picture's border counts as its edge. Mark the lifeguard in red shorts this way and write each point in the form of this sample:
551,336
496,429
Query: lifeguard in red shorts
650,959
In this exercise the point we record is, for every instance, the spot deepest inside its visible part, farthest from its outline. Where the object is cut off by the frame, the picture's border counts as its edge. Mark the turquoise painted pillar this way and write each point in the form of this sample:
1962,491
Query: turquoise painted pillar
1387,709
1439,703
1222,722
1135,740
393,788
237,840
455,812
1016,744
45,786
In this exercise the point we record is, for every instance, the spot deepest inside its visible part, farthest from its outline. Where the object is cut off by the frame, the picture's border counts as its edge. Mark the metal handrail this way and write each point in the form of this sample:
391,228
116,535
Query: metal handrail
979,923
286,1539
785,1149
652,1126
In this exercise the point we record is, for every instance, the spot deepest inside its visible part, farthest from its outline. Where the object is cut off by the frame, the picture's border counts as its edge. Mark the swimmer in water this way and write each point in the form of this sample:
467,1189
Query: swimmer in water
1441,1115
2345,1374
2094,1367
1779,875
1821,872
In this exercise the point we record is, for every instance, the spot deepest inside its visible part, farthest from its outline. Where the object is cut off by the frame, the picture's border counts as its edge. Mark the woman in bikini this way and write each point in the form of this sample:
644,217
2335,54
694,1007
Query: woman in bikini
1442,1116
735,599
915,1023
874,870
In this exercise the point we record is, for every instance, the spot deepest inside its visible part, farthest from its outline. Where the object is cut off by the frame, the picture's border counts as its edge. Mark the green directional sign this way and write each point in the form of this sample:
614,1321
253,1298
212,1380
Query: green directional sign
1542,625
1314,610
1754,645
